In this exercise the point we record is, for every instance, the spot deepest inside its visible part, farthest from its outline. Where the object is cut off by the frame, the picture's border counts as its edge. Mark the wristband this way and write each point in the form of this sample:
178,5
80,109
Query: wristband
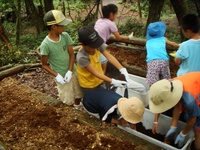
155,122
183,135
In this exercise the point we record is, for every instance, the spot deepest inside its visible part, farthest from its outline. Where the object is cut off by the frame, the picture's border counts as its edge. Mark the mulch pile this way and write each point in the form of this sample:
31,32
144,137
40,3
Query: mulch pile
29,123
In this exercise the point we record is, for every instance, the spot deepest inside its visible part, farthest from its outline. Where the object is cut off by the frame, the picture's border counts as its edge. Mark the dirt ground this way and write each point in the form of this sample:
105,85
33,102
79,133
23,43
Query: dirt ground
30,122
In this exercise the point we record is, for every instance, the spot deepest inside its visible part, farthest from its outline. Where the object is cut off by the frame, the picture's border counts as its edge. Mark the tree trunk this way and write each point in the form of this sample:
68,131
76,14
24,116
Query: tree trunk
179,8
3,36
155,7
28,12
18,23
37,21
139,8
180,11
48,4
197,4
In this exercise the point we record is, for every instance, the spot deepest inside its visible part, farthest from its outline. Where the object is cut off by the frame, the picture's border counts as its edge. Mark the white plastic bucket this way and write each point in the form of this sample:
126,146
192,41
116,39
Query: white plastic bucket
164,125
133,93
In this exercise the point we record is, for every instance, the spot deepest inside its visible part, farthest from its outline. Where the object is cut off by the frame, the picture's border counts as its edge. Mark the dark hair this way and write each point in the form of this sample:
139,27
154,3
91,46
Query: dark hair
191,22
110,8
48,28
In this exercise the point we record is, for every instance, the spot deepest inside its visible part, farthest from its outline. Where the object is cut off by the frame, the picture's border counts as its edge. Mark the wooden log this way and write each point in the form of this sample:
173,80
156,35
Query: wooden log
5,67
11,71
136,71
17,69
32,65
136,41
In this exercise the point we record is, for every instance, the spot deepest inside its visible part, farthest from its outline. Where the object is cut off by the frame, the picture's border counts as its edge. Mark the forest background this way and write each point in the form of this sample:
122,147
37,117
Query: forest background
22,28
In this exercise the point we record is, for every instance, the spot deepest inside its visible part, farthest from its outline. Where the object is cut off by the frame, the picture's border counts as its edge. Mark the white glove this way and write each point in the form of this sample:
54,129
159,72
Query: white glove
60,79
131,37
118,83
68,76
125,73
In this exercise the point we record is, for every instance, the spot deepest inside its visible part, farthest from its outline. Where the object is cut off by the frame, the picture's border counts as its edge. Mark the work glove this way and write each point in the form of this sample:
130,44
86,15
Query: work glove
173,54
170,134
60,79
68,76
125,73
118,83
131,37
180,139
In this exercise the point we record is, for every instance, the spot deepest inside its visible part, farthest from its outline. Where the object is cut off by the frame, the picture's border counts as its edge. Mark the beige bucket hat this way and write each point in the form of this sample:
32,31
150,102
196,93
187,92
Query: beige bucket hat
164,94
131,109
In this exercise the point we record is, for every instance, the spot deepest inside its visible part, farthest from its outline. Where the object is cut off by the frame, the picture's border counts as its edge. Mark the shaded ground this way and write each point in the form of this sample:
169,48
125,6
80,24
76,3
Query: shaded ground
30,123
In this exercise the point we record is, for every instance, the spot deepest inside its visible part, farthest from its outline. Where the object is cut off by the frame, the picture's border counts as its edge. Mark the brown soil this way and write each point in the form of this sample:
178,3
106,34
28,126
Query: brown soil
27,122
136,58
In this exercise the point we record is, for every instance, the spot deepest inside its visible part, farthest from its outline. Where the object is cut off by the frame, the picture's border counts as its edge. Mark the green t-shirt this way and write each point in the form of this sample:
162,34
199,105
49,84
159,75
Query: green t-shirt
57,52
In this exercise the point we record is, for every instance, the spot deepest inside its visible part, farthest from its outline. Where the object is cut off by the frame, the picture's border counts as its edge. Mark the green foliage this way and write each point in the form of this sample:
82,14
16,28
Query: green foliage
79,9
5,5
73,28
132,25
173,35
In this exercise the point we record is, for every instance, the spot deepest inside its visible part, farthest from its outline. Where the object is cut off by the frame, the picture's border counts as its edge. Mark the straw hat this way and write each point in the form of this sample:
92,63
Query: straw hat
155,30
164,94
131,109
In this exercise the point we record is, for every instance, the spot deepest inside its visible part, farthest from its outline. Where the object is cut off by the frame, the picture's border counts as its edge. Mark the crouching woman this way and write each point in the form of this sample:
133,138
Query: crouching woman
110,107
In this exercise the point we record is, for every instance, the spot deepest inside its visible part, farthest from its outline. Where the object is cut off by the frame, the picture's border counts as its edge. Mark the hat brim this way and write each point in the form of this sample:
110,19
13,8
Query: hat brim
124,109
96,44
175,96
160,34
64,22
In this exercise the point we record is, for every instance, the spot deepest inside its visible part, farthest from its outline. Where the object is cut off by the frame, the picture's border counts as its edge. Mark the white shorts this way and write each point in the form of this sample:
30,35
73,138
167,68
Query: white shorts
69,91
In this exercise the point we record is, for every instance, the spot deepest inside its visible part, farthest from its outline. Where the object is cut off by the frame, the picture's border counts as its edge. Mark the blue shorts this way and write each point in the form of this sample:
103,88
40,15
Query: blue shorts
103,59
197,125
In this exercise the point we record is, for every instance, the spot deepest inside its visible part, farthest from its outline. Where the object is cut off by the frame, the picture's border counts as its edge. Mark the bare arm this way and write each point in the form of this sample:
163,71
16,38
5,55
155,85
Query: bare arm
177,61
120,37
46,67
155,123
189,125
120,121
176,114
96,73
71,57
174,44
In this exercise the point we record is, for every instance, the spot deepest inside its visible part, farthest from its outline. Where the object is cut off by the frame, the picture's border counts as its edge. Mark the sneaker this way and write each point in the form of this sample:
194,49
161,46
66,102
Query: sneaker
79,107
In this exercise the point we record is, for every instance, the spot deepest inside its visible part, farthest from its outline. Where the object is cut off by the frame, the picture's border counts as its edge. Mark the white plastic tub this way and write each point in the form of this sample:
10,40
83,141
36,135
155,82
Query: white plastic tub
164,125
133,93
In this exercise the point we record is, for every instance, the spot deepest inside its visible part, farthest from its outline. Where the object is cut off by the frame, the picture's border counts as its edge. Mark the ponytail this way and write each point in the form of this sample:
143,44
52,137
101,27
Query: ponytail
110,8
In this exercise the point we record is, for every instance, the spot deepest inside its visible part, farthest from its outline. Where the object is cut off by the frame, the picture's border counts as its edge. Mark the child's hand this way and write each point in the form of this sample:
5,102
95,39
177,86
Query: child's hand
123,122
132,126
155,127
